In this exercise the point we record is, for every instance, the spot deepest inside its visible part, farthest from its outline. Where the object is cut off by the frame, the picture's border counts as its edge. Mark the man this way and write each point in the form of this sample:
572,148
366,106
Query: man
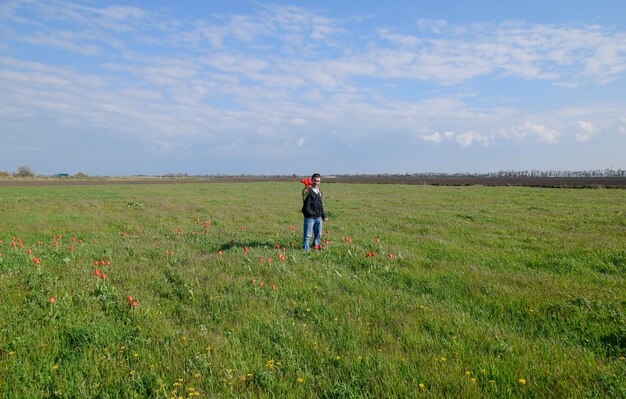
313,211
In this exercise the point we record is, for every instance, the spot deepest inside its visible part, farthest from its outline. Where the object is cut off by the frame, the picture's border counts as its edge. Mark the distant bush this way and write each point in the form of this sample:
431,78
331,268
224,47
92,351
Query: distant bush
24,171
80,175
4,174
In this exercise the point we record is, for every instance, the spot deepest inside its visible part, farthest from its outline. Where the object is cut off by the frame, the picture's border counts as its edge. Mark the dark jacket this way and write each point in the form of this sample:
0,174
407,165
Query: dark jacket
312,206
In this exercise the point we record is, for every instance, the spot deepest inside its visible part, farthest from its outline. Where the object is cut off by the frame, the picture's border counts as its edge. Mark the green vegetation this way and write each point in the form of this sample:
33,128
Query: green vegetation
471,292
24,171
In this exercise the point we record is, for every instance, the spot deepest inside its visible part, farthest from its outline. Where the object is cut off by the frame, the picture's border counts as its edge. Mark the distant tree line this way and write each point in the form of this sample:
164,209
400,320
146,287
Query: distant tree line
514,173
26,171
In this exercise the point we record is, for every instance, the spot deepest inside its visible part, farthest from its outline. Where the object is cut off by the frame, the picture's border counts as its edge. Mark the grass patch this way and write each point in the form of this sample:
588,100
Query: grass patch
470,292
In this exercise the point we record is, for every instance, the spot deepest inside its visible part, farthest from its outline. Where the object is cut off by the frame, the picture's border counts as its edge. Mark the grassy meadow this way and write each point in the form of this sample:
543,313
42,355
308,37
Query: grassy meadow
470,292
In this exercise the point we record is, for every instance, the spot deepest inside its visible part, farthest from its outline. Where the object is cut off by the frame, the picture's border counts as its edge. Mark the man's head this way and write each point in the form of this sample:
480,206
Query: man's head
315,179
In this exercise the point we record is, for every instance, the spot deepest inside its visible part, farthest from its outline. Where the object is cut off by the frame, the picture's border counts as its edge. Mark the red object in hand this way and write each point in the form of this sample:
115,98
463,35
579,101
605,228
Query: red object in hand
306,182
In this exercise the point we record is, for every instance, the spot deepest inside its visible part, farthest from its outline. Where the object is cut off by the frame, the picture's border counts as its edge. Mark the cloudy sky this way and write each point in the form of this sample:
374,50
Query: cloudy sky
216,87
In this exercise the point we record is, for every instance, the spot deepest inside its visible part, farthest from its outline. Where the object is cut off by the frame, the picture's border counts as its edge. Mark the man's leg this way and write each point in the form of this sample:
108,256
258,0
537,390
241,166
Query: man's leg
308,232
317,232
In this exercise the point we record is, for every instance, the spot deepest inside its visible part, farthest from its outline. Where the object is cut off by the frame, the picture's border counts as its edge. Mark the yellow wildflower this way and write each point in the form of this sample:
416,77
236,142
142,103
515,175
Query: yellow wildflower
522,381
421,386
467,372
300,380
473,380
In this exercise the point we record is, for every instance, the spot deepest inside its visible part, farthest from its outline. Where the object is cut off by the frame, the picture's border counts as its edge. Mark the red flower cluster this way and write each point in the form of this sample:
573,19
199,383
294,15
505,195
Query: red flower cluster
98,273
132,302
370,254
348,240
306,182
253,281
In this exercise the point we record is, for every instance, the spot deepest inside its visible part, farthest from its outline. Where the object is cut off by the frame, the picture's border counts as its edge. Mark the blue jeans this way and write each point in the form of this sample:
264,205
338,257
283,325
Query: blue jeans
312,226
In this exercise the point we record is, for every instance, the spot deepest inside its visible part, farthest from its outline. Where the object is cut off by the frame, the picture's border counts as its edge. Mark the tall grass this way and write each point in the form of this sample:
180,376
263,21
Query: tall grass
471,292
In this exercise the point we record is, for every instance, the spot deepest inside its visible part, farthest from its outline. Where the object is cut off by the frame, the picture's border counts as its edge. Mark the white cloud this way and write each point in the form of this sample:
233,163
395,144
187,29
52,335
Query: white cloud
434,138
299,122
562,54
543,133
466,139
436,26
462,139
585,131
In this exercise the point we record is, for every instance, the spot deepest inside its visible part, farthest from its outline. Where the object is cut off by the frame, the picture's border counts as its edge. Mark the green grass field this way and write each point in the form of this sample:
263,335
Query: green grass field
471,292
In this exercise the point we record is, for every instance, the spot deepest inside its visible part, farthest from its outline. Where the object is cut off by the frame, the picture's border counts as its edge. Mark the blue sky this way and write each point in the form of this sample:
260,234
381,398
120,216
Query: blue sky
156,87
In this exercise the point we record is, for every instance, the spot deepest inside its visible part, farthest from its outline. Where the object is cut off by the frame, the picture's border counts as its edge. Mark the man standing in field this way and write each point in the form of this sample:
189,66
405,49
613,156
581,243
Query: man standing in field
313,211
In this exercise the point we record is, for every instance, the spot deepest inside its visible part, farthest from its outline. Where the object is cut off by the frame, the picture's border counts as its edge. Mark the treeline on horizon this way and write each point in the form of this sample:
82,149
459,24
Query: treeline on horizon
502,173
26,172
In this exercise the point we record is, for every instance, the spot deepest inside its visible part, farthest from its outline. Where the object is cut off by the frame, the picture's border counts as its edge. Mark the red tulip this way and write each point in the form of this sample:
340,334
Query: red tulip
276,246
103,276
52,300
71,249
30,251
260,283
273,286
129,298
95,262
252,281
133,303
96,272
219,252
245,249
